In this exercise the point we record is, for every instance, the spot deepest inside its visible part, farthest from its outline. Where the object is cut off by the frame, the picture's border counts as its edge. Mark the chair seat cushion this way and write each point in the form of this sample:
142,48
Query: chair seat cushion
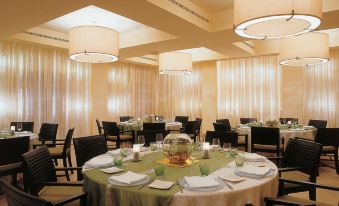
294,175
266,147
302,201
329,148
56,194
55,151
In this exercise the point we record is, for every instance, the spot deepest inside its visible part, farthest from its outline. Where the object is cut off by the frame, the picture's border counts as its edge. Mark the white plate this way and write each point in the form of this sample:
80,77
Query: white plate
162,185
112,170
129,185
232,178
221,186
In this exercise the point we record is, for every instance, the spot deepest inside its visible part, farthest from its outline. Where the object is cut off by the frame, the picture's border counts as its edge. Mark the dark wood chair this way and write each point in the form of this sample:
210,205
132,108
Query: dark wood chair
317,123
266,139
48,132
242,138
219,127
88,147
329,138
125,118
150,135
191,129
61,150
112,133
288,200
247,120
11,150
183,120
300,162
17,197
153,126
224,137
284,120
26,126
225,122
42,179
99,126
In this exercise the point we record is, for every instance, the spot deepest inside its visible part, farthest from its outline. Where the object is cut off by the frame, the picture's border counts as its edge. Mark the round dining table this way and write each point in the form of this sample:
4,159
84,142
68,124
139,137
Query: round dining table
102,192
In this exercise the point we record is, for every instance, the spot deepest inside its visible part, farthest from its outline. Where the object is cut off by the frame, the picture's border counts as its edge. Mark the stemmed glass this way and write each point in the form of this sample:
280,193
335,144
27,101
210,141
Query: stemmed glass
19,126
141,140
159,139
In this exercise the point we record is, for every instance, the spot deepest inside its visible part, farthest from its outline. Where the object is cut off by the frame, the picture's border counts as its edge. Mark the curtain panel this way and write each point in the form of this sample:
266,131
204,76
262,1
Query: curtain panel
321,91
41,84
137,90
249,87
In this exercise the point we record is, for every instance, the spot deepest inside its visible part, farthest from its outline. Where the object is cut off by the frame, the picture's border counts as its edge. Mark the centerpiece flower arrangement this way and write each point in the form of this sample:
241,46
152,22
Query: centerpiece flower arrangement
272,123
177,148
150,118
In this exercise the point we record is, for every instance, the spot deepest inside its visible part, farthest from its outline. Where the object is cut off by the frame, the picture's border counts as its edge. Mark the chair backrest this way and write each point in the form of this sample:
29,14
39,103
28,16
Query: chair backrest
110,128
192,127
150,135
182,119
26,126
199,120
11,149
68,142
284,120
328,136
225,122
302,153
99,126
125,118
247,120
16,197
265,136
39,167
48,131
219,127
153,126
317,123
224,137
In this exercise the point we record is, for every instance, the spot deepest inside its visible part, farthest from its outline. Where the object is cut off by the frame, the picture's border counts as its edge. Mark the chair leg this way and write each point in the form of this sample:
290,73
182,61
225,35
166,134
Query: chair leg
70,162
14,180
66,171
56,161
336,161
83,201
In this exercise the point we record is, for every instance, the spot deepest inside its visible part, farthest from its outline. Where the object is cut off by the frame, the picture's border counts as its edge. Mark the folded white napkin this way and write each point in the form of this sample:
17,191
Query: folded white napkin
252,171
99,162
253,157
195,182
129,177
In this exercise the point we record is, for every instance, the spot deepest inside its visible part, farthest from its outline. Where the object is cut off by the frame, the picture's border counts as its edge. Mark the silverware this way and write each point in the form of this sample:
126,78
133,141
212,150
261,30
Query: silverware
146,183
228,185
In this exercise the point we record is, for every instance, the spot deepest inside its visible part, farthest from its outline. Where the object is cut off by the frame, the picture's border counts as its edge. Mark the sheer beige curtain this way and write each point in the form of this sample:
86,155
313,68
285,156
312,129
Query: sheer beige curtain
321,91
249,87
139,90
41,84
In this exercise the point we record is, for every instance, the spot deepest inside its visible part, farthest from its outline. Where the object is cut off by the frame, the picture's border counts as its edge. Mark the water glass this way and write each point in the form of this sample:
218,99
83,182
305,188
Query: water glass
160,170
159,138
204,169
19,126
118,160
141,140
216,143
124,149
153,146
239,160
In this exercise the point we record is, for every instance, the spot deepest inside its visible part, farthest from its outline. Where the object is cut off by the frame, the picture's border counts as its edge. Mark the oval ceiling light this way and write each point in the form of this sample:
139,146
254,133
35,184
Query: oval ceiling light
304,50
269,19
175,63
93,44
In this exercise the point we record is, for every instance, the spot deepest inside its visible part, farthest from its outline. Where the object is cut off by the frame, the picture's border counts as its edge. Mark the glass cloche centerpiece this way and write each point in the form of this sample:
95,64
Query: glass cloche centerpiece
177,148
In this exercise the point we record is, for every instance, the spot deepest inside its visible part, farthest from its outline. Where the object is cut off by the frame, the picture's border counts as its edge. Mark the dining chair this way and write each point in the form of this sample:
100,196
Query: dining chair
329,138
150,135
242,138
99,126
191,129
26,126
42,179
125,118
61,150
225,122
183,120
288,200
224,137
285,120
48,132
247,120
266,139
219,127
17,197
112,133
86,148
154,126
300,162
199,120
11,150
317,123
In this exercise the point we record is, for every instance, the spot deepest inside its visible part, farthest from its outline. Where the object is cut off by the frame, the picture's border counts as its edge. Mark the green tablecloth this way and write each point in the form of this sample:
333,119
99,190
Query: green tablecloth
96,186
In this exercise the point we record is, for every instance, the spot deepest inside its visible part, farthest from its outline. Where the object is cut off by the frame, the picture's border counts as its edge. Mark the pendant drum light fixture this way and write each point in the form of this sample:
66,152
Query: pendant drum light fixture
175,63
269,19
304,50
93,44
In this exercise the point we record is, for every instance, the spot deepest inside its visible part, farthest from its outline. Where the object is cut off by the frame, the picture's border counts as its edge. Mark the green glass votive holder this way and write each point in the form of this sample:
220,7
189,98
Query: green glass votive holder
118,160
204,169
153,146
160,170
239,161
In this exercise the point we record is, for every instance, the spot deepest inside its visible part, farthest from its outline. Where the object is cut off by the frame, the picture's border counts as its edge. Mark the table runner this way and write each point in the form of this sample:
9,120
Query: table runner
96,188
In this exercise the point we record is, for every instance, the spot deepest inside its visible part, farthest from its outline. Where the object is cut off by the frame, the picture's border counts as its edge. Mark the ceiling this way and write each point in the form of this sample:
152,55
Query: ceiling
147,27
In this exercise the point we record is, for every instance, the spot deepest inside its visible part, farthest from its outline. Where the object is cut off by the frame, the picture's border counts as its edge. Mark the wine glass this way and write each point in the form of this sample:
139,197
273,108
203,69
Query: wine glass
19,126
141,140
216,143
159,138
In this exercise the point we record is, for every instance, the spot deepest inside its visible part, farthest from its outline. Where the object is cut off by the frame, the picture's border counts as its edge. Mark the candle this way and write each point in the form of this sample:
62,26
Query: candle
289,122
206,150
12,130
136,152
